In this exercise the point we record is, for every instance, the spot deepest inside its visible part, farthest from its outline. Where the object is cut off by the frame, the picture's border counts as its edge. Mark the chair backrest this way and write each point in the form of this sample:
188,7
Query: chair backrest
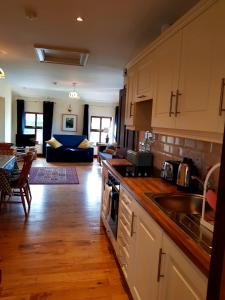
27,163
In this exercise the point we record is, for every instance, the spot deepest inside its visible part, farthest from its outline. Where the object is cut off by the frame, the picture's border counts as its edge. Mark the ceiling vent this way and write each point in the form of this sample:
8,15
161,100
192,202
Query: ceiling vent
59,55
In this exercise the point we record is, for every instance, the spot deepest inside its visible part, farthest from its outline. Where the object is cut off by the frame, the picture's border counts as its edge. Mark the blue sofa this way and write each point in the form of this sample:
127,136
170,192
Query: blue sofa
69,151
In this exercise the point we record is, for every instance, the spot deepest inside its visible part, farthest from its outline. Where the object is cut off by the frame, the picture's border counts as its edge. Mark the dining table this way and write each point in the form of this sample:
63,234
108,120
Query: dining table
7,162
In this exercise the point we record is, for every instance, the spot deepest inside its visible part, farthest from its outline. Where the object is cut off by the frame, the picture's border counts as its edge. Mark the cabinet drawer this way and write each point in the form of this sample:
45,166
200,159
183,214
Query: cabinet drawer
125,199
126,212
124,228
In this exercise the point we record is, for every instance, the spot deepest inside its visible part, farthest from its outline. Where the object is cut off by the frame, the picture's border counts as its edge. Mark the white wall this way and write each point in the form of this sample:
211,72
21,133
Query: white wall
6,94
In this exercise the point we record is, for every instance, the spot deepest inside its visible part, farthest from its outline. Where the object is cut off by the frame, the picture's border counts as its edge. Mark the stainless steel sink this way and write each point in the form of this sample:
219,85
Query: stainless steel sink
185,210
178,203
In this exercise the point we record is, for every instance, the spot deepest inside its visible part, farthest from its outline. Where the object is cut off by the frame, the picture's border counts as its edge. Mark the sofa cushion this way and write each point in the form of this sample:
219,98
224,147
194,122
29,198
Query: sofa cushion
84,144
54,143
70,140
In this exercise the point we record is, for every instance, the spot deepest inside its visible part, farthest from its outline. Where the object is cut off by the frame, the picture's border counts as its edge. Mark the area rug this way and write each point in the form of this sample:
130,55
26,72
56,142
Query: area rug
53,175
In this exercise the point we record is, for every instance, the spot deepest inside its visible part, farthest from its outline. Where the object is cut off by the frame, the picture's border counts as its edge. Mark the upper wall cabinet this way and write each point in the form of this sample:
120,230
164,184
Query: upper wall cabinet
190,72
137,114
167,66
217,91
145,78
197,107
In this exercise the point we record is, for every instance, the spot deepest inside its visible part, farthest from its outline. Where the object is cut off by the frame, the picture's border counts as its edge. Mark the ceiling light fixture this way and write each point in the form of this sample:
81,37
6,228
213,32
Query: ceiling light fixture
80,19
74,94
2,74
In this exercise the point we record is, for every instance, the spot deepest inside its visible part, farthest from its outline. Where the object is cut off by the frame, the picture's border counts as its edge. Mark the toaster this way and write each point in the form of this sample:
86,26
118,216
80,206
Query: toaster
169,170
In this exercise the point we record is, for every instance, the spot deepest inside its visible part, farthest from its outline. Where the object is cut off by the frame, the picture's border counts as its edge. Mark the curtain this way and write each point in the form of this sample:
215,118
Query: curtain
47,122
20,116
116,119
86,121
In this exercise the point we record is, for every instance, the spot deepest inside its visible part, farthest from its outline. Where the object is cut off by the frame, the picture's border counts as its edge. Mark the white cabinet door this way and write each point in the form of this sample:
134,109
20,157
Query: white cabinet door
167,67
181,278
145,78
148,238
217,92
196,110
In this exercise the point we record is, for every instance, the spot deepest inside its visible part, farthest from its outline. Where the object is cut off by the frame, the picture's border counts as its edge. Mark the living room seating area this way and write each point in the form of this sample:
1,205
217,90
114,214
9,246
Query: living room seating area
70,149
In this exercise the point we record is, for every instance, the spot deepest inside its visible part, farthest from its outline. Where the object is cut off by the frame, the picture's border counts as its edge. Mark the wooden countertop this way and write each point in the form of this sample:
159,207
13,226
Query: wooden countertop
137,187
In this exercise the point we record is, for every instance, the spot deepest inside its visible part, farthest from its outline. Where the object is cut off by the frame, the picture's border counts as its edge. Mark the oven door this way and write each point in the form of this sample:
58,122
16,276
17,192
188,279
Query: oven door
113,214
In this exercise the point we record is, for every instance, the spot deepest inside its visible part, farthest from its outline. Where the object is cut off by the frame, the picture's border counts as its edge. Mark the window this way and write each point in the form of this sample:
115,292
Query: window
34,125
98,128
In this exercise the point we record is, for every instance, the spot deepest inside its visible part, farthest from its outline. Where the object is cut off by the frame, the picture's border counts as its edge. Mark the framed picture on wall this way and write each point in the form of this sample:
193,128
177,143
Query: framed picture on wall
69,122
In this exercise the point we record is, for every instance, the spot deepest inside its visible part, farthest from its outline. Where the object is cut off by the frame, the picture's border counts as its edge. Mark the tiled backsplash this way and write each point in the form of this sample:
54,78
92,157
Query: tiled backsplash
203,154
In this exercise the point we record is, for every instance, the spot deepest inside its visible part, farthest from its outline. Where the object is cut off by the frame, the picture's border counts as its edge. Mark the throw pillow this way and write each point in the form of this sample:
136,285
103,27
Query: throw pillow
109,151
54,143
84,144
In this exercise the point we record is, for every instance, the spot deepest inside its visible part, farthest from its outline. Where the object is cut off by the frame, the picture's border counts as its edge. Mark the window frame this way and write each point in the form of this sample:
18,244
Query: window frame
33,127
101,129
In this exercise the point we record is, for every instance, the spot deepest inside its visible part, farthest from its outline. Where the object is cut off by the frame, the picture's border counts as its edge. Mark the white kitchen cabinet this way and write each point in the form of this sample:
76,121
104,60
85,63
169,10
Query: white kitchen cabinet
145,78
217,91
167,70
196,108
145,253
125,233
130,98
180,278
190,70
153,265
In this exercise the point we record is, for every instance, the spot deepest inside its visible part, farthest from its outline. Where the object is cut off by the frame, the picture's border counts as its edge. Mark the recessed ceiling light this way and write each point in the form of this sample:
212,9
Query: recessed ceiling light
80,19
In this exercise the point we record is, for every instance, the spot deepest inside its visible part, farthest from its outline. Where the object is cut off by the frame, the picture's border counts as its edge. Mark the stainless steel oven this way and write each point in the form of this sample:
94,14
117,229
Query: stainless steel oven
113,204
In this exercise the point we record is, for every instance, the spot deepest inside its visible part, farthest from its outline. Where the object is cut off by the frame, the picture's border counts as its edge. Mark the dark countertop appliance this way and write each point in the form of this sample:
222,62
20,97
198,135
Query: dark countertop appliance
142,163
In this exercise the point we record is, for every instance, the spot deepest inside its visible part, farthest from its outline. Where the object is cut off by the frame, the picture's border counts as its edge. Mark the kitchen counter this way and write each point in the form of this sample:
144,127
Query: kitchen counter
137,187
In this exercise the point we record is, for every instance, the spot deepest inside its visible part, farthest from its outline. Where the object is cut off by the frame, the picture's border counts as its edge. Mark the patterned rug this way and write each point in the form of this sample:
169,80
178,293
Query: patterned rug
53,175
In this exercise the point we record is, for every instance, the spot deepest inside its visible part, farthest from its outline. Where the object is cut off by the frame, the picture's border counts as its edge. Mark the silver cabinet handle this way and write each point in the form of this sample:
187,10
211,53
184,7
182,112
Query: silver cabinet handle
176,105
159,264
132,225
131,105
171,103
221,109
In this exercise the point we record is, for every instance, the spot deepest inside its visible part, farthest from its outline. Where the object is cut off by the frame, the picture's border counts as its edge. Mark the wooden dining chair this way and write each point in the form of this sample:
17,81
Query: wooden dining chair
17,186
27,163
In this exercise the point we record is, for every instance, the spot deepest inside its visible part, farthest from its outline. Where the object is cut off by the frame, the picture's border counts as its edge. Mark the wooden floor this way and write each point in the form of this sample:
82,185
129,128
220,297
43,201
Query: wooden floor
61,252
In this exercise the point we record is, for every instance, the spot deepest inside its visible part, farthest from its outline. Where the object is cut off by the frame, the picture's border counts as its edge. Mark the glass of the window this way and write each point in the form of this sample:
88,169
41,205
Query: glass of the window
30,119
95,123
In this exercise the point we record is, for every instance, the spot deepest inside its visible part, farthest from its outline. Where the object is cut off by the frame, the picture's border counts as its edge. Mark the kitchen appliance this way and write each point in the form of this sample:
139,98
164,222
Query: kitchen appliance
113,203
141,164
186,170
169,170
140,158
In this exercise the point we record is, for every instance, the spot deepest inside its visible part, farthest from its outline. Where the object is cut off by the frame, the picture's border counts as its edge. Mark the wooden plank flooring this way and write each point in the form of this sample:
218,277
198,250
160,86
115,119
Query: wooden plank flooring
61,252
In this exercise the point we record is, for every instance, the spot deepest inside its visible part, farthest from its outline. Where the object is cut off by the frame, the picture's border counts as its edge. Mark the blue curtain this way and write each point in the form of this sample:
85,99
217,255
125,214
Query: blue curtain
20,116
86,121
47,122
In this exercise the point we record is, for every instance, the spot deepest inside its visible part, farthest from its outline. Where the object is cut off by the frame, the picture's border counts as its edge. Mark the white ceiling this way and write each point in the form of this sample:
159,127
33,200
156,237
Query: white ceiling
113,31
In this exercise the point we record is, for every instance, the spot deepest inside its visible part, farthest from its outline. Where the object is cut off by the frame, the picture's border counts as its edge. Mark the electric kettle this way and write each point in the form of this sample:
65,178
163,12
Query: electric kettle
184,174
